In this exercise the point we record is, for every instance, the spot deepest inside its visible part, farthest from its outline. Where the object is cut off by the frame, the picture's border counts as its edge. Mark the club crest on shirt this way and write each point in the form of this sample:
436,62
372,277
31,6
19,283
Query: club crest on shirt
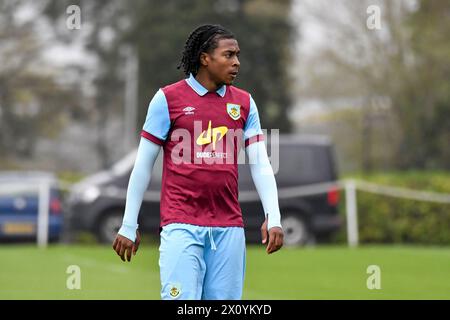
174,290
234,110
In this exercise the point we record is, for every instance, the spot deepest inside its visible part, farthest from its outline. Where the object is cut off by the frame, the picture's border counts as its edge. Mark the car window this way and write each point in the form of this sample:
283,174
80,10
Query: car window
298,164
245,178
303,164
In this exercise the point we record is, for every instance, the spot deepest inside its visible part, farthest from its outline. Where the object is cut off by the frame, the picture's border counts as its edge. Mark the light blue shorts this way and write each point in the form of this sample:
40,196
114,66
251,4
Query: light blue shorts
205,263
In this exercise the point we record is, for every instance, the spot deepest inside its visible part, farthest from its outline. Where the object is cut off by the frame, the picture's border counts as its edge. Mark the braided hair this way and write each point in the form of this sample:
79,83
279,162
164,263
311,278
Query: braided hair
204,38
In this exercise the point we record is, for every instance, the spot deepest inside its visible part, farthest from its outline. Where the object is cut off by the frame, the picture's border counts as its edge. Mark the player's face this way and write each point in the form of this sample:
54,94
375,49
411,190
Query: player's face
223,62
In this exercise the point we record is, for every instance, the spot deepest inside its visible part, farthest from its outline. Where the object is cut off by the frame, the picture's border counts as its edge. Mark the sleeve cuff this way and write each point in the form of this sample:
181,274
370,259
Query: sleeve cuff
152,138
128,232
271,225
273,221
257,138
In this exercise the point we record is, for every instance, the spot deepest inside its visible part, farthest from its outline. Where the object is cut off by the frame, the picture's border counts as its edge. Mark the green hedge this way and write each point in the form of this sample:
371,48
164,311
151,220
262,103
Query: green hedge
383,219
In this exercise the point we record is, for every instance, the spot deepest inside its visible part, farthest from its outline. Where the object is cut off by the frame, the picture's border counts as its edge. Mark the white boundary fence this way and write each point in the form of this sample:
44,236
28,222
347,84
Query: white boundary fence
396,192
350,187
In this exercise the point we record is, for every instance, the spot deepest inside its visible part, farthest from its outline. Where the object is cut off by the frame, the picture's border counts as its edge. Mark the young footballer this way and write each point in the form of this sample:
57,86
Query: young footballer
201,123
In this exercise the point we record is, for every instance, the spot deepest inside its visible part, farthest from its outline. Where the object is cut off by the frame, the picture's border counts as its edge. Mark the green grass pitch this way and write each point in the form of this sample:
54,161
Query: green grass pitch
322,272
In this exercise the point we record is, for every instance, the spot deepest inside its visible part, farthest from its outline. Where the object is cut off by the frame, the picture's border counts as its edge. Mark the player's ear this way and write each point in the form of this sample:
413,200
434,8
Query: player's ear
204,59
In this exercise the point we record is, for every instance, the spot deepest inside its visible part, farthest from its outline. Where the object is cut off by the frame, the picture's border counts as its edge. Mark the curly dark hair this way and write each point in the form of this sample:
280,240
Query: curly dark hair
204,38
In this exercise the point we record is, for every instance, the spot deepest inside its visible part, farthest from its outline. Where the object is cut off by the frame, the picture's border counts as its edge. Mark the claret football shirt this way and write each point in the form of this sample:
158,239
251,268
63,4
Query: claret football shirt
201,134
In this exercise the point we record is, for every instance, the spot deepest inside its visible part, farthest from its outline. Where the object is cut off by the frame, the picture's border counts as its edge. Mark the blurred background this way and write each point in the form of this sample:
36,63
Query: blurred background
359,90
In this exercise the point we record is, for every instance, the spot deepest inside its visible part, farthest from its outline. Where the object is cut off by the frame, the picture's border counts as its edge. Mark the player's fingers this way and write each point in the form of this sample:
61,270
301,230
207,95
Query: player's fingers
117,248
264,234
135,248
128,252
278,242
136,244
122,252
271,244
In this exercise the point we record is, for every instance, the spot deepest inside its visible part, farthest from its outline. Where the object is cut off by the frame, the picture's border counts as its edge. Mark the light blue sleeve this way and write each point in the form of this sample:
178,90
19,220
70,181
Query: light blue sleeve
139,180
157,122
252,126
264,180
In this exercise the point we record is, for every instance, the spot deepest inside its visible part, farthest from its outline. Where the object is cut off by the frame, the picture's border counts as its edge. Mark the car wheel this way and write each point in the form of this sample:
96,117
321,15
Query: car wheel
295,231
109,226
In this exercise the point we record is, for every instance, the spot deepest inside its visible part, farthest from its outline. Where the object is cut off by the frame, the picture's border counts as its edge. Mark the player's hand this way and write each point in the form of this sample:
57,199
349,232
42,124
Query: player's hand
124,247
275,236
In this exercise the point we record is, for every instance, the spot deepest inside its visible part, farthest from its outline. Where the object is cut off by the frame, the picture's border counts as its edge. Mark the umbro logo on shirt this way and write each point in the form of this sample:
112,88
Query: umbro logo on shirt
189,110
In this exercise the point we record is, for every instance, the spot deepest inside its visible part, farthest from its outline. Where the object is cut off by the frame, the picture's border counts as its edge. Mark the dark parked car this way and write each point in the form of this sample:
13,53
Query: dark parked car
97,203
19,205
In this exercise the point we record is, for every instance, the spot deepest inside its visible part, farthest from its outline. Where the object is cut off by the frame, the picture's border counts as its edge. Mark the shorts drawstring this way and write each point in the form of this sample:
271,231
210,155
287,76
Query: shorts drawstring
211,239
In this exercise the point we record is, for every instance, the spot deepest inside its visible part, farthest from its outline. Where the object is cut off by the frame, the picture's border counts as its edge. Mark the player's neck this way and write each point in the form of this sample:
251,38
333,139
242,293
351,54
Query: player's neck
203,78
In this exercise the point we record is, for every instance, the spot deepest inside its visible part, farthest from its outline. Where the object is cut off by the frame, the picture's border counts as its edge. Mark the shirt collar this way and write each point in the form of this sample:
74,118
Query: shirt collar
201,90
